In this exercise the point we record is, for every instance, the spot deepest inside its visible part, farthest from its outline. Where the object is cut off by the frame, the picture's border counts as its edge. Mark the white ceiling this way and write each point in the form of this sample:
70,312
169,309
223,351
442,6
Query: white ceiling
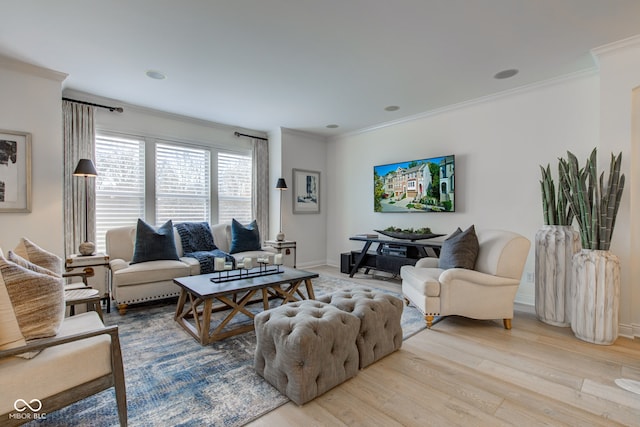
305,64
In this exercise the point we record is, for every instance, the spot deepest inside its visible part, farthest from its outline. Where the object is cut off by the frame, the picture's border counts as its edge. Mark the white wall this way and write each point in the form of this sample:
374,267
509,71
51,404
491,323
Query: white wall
31,102
620,82
275,172
499,144
142,121
305,151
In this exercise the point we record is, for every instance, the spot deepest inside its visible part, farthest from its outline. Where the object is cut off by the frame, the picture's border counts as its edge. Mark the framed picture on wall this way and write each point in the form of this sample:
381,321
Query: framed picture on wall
15,171
306,192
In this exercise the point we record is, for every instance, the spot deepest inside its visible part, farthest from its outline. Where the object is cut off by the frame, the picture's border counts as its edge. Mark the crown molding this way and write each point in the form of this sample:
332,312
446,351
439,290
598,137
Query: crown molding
24,67
630,42
488,98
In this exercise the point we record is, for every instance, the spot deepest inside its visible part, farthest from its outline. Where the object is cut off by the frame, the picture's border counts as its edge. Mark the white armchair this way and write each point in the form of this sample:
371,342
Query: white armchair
486,292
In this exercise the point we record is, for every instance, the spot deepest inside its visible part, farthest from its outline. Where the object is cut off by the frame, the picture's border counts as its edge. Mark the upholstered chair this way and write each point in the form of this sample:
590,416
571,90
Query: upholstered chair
47,360
485,292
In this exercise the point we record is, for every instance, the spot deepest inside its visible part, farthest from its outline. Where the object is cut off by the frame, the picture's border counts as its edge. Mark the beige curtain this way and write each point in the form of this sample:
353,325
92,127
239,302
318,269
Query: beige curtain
79,143
260,185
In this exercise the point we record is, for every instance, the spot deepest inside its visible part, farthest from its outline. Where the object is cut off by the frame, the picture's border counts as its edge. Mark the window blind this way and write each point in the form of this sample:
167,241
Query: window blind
119,185
234,187
182,183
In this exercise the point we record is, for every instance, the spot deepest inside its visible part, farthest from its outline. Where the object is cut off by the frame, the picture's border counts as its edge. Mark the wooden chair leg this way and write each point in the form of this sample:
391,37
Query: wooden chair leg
118,379
429,319
507,323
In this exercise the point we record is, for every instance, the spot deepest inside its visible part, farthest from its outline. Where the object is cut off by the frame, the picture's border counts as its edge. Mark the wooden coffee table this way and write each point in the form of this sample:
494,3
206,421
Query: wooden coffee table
198,294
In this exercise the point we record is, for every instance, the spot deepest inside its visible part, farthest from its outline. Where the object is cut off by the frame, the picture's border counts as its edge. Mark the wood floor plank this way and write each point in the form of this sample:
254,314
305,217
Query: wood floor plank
469,372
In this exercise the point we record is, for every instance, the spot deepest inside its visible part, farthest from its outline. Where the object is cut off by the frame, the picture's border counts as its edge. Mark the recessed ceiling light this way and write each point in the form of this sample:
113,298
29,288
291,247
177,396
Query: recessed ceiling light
505,74
157,75
333,126
391,108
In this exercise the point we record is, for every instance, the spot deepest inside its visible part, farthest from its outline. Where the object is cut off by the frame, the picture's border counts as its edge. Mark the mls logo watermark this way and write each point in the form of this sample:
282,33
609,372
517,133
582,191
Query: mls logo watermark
21,406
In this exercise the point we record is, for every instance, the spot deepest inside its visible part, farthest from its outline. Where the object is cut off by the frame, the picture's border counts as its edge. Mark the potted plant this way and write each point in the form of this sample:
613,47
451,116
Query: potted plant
595,270
556,243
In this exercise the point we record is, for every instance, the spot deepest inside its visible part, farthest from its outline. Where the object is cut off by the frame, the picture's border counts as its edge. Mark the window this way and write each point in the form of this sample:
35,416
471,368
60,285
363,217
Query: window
234,187
182,184
174,182
119,184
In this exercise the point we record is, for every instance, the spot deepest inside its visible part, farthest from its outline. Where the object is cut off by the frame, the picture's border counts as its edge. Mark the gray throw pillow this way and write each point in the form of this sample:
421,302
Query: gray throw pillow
460,250
154,245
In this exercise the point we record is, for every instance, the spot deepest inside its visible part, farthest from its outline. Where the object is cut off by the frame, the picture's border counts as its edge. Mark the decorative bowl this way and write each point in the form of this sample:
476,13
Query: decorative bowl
408,236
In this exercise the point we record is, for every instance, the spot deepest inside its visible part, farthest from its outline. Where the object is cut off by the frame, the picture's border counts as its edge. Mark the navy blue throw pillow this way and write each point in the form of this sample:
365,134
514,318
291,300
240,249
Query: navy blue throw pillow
154,245
244,238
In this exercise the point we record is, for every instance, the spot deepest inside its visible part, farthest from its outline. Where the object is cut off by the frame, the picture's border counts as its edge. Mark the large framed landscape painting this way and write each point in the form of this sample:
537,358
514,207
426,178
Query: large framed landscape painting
15,171
306,192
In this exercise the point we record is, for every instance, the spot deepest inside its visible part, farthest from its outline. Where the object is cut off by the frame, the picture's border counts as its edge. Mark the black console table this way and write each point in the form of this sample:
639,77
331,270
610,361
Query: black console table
390,254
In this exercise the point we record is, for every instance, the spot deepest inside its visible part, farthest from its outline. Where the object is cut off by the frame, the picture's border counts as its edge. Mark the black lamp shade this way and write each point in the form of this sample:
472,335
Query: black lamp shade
85,168
281,185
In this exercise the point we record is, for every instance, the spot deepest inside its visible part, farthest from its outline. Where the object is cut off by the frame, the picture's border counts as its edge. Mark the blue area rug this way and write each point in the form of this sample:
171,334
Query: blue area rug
174,381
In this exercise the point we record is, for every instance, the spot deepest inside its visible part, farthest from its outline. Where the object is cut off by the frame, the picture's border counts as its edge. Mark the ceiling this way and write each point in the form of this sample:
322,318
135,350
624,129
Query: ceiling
303,64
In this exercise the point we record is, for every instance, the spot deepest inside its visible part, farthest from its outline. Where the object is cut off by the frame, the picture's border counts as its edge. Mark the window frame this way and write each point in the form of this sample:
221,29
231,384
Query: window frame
150,168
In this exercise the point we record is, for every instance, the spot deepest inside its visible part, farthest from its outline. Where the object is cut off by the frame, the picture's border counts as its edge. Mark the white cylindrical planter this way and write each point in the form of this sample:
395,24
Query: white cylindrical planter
555,247
596,298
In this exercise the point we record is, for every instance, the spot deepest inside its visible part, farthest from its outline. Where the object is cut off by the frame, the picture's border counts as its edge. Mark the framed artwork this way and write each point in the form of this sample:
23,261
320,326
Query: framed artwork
15,171
306,192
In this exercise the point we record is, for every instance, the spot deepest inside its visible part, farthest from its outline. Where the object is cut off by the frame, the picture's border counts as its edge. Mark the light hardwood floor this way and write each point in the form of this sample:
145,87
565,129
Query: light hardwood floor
475,373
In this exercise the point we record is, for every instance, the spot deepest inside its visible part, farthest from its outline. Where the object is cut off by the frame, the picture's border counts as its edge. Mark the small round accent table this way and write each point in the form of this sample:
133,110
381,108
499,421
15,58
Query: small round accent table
88,296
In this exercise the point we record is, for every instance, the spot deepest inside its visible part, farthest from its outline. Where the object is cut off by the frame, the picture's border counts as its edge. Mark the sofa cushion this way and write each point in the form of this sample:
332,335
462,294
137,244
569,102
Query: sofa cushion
154,245
244,238
60,367
37,299
460,250
41,257
222,236
148,272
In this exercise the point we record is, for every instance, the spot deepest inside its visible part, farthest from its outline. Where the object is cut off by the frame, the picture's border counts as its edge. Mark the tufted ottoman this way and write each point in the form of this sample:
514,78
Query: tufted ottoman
306,348
379,314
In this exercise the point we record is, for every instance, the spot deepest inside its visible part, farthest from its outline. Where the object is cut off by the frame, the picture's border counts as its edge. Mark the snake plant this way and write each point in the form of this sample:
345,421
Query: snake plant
594,204
556,211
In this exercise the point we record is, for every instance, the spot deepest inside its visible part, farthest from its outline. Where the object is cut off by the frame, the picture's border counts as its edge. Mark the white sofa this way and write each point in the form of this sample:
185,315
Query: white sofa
152,280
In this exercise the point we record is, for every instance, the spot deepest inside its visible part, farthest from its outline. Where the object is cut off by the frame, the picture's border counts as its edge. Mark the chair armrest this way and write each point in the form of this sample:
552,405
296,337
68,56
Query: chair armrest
117,264
43,343
475,277
427,262
81,274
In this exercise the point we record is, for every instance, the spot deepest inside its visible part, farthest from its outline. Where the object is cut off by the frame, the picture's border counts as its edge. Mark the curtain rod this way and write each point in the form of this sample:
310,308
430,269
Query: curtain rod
250,136
112,109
